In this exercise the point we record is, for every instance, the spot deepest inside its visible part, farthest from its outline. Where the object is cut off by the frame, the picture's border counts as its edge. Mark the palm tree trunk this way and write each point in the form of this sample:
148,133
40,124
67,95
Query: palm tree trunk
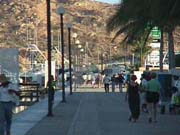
161,52
171,50
143,45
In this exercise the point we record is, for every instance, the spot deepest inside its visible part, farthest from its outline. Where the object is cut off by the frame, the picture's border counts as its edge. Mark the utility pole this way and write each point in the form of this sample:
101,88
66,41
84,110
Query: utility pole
50,114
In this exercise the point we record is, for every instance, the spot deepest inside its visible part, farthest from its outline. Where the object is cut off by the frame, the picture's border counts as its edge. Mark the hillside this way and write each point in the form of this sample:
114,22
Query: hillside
23,22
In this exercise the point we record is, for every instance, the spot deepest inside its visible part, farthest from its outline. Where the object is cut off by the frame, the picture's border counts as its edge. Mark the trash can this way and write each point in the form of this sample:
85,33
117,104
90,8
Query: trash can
165,80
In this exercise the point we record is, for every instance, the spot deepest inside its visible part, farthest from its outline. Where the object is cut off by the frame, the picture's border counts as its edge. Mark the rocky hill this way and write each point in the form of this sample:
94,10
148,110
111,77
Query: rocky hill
23,22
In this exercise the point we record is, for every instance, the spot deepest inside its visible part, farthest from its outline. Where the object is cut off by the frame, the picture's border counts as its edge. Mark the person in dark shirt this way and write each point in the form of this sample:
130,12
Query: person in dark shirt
133,99
53,85
120,82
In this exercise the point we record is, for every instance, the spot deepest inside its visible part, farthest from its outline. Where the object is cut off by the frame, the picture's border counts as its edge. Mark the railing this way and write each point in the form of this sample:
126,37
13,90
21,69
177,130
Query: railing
29,93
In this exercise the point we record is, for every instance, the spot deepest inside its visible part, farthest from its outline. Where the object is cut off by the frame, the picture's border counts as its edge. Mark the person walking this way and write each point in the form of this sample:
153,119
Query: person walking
99,80
93,81
175,94
133,99
53,86
106,81
152,97
7,94
176,82
144,80
113,84
120,82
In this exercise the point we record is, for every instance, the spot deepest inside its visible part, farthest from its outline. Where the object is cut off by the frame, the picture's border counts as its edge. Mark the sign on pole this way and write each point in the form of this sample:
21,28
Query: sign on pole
155,33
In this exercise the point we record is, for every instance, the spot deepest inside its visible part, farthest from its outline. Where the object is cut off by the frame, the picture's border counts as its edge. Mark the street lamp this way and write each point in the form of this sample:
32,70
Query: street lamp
78,58
102,61
75,60
61,12
81,58
50,98
69,26
74,35
77,43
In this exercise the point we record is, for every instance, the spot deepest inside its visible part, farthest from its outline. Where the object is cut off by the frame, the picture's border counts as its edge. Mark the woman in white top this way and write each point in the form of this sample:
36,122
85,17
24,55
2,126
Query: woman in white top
106,81
6,104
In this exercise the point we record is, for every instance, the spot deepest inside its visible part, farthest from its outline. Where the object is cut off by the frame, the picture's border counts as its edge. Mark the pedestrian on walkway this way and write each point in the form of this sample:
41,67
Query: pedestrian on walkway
99,80
106,81
175,95
93,81
113,84
53,86
176,82
120,82
7,103
152,97
133,99
144,80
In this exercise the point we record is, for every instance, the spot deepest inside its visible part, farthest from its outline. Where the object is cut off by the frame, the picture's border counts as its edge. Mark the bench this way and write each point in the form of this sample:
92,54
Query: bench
29,93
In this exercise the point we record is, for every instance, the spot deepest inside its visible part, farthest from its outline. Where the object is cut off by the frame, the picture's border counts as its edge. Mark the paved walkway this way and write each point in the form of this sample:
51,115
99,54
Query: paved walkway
93,112
25,120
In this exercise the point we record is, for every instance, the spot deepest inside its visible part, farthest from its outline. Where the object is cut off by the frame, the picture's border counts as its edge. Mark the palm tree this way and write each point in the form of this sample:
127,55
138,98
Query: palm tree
141,49
133,20
167,17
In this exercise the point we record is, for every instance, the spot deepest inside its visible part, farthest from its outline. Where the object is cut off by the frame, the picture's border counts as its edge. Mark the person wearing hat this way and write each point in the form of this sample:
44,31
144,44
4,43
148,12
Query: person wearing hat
133,98
7,94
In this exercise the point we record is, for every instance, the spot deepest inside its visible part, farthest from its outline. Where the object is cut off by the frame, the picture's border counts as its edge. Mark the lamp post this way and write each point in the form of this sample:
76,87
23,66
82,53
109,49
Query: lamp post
74,42
61,12
77,43
81,59
78,58
69,26
50,104
102,61
74,36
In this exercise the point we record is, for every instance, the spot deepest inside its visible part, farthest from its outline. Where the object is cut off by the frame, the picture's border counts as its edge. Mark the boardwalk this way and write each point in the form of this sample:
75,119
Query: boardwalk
93,112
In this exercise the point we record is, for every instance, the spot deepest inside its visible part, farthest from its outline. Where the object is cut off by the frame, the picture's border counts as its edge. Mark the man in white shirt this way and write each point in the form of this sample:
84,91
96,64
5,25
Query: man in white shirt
106,81
6,104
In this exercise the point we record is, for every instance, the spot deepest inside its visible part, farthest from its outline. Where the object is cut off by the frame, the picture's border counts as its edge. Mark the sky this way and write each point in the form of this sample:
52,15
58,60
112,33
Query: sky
110,1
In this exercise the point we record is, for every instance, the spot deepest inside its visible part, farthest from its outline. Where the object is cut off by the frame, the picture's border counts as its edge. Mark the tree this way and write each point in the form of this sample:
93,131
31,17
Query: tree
141,49
133,20
167,18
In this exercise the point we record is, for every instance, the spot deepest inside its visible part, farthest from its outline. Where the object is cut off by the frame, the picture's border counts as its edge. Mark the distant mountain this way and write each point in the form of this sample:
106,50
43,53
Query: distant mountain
23,22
